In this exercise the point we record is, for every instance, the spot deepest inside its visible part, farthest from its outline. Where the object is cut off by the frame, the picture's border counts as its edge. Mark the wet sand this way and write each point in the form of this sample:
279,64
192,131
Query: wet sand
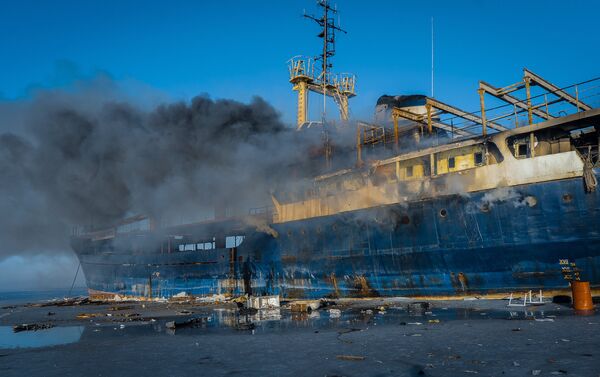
450,338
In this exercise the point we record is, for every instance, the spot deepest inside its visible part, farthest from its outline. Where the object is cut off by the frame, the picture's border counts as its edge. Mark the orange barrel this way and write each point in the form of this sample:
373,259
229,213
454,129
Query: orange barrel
582,296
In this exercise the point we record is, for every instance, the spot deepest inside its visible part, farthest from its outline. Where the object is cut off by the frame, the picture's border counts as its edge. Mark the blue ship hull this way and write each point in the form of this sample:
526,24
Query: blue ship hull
504,241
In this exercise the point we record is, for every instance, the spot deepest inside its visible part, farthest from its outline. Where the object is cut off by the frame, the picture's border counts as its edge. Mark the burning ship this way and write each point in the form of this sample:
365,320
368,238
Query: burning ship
438,202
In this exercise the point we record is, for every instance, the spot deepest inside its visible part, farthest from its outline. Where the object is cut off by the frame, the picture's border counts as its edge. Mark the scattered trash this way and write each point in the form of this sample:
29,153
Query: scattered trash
32,327
517,329
536,372
51,313
416,335
368,311
516,364
350,357
471,371
381,308
305,306
559,372
73,301
434,321
88,315
335,313
414,323
565,340
121,326
264,302
184,312
544,319
419,306
192,322
117,308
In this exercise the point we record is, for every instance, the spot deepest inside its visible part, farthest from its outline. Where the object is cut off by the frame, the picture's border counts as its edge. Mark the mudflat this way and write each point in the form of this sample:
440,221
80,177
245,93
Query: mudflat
369,337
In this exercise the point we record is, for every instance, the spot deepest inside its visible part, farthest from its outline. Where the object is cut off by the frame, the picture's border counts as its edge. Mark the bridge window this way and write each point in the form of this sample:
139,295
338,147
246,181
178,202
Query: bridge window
233,241
478,156
451,163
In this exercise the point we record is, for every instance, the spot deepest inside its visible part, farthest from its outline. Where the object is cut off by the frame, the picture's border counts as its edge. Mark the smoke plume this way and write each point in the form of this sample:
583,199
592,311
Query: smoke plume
85,157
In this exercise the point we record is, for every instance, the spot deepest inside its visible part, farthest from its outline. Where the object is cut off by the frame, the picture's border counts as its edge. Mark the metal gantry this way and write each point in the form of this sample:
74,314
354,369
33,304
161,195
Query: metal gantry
305,78
435,109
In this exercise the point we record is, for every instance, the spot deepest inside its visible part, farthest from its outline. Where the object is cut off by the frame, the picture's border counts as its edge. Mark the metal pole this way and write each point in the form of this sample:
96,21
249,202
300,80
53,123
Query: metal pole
577,97
528,90
358,146
429,123
483,117
432,61
395,117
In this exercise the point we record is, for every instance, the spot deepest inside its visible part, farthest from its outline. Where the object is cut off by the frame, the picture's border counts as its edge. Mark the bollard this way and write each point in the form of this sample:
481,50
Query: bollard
582,296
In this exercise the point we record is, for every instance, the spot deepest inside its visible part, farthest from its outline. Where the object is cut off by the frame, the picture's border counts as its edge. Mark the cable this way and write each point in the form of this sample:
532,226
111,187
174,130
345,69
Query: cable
75,278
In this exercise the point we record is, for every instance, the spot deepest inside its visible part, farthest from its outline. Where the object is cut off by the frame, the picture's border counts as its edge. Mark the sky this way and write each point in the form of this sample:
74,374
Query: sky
238,49
165,51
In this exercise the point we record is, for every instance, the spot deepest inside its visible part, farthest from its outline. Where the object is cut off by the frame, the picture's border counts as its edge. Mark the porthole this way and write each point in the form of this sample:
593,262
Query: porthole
531,201
567,198
443,212
485,207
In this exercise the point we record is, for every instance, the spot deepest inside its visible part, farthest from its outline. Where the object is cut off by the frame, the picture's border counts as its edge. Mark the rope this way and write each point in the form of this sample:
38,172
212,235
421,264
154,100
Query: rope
75,278
589,178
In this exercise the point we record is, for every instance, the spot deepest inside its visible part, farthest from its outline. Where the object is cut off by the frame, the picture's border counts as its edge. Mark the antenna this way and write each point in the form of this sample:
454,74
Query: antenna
328,35
432,61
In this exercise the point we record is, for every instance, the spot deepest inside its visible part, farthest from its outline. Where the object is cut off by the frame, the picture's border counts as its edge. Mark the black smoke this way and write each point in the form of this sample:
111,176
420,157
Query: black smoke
84,158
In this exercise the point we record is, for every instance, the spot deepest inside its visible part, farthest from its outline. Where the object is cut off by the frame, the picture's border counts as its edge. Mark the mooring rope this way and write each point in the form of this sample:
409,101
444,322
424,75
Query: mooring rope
75,278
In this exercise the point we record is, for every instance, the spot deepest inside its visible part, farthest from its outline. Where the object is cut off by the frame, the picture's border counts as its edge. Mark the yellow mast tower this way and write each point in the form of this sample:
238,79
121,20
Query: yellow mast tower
305,79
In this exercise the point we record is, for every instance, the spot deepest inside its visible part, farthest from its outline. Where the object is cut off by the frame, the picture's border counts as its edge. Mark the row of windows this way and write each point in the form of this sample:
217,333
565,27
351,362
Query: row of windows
230,242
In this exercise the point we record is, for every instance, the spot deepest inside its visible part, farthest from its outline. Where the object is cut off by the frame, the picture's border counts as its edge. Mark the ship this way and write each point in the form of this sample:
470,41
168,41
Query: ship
438,202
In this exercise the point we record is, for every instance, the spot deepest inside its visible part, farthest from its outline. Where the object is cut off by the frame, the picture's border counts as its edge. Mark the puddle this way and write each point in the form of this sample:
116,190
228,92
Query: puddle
41,338
277,320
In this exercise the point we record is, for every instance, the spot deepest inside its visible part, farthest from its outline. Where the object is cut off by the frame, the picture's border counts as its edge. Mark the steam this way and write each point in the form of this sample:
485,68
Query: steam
87,157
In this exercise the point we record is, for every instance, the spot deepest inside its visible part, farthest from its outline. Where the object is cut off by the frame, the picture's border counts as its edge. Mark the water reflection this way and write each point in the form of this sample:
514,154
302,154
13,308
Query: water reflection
42,338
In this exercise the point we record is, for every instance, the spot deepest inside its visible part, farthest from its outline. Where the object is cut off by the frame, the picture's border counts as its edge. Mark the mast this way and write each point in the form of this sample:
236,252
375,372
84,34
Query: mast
340,87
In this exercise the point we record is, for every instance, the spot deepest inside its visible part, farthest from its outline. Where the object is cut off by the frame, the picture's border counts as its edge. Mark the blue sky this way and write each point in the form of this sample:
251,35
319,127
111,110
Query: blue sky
237,49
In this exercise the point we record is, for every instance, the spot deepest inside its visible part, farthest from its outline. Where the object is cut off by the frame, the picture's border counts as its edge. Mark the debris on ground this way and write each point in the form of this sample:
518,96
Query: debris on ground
335,313
350,357
192,322
117,308
88,315
32,327
417,307
305,306
536,372
263,302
